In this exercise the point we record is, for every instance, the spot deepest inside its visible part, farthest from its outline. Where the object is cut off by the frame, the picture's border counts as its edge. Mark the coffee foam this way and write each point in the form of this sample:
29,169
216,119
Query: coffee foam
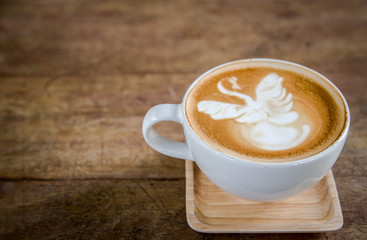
268,118
264,114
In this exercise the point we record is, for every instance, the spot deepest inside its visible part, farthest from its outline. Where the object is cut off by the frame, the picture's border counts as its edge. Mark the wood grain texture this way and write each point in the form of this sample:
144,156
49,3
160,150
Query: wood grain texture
131,209
76,78
209,209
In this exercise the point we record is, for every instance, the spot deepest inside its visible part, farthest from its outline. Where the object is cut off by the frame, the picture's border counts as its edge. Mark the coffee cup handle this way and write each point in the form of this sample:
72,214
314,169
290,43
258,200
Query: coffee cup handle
165,112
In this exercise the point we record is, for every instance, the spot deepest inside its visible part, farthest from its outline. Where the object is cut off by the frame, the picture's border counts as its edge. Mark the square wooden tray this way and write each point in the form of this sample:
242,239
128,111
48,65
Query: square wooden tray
212,210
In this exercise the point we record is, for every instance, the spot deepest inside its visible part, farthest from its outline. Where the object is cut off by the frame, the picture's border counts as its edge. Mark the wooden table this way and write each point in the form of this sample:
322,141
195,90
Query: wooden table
77,77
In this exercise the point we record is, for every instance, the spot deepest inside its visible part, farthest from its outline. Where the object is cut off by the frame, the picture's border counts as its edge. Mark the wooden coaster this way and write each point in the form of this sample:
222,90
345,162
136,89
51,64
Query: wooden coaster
212,210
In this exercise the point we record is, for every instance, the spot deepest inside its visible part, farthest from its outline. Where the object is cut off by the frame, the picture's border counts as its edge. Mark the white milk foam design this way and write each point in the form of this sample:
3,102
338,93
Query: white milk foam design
267,119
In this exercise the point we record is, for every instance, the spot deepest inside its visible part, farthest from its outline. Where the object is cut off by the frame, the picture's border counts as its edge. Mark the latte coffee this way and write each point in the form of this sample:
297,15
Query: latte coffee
266,112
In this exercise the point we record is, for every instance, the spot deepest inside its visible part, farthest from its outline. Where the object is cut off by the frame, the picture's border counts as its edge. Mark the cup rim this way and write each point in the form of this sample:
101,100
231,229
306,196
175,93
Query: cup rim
311,158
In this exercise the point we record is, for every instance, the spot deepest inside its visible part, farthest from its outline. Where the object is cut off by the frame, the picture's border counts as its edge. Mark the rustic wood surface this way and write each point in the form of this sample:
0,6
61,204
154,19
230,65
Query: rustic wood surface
76,78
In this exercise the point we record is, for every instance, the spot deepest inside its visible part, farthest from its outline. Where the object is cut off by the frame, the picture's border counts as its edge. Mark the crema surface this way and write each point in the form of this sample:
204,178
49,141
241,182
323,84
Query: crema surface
264,114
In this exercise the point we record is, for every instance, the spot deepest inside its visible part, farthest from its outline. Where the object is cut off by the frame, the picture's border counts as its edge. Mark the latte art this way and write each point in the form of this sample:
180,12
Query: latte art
269,118
265,114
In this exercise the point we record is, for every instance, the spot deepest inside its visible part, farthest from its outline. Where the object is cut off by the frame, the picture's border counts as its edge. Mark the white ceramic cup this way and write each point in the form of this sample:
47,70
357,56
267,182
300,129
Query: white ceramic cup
256,181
